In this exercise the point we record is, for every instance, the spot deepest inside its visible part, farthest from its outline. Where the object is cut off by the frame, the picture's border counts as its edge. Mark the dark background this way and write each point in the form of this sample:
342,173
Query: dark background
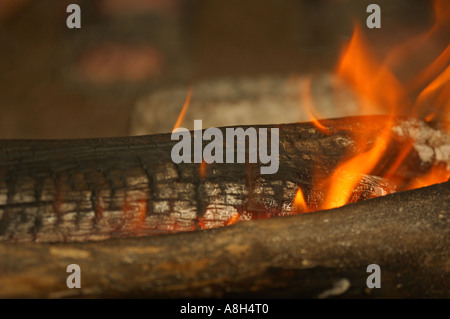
57,82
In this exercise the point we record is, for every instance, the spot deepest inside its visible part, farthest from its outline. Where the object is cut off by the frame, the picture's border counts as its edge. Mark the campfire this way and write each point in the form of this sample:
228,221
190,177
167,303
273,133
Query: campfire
348,192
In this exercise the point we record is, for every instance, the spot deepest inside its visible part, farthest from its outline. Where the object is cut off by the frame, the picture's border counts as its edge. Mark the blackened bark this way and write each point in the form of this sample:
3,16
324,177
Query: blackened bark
77,190
407,234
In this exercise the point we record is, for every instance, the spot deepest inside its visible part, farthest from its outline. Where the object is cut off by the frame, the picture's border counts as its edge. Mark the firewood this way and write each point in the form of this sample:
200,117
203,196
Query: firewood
96,189
407,234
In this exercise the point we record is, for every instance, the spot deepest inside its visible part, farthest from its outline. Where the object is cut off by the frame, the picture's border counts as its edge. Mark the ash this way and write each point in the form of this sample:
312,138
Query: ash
432,145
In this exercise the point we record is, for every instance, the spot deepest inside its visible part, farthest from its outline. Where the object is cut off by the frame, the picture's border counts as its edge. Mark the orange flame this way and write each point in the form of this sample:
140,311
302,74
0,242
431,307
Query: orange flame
437,93
183,110
442,13
437,174
430,71
300,202
308,103
378,90
347,176
375,85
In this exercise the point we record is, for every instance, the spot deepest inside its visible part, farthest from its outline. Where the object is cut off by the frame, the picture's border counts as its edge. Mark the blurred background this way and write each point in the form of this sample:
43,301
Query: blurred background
57,82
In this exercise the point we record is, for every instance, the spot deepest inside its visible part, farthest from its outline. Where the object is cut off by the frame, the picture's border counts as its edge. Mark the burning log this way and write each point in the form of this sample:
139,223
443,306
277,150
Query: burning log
78,190
407,234
69,195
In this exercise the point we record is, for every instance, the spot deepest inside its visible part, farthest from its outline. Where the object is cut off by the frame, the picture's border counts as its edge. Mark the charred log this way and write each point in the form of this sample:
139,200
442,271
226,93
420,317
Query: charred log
407,234
78,190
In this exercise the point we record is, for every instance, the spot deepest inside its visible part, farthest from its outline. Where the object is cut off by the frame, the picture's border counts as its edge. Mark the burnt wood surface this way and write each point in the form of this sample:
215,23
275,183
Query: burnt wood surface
321,254
95,189
68,195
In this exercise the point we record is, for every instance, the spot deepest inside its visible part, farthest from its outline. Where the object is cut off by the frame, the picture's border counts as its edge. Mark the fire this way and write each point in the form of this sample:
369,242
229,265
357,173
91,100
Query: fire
300,202
347,176
430,72
437,174
308,103
442,13
377,90
183,110
437,93
375,86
